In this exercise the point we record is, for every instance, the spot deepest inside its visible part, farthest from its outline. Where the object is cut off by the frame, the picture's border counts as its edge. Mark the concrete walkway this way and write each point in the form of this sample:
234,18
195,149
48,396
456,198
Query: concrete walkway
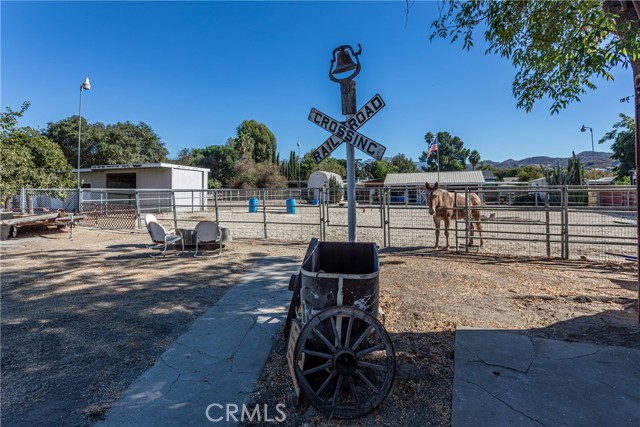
218,361
506,379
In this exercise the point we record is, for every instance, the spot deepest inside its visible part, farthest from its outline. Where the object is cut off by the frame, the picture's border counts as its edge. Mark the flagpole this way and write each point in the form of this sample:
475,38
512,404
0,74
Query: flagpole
438,154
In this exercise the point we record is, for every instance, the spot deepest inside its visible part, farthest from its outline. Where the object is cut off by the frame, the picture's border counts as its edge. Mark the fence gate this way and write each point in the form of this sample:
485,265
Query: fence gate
370,216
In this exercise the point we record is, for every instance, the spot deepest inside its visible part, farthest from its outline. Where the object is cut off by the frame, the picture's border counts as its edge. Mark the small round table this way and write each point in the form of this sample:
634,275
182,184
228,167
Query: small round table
189,236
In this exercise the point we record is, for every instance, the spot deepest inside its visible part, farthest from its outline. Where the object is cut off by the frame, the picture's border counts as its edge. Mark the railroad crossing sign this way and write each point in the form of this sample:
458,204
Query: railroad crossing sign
346,131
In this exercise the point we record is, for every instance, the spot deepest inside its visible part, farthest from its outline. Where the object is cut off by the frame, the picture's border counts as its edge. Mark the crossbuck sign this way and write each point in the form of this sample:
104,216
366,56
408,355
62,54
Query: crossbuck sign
346,131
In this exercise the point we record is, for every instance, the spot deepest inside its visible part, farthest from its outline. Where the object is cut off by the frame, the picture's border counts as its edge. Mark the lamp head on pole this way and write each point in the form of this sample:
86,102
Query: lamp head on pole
85,85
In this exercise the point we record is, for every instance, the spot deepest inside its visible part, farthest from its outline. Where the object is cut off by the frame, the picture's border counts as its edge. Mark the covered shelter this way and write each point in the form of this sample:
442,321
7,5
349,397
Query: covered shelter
409,188
319,180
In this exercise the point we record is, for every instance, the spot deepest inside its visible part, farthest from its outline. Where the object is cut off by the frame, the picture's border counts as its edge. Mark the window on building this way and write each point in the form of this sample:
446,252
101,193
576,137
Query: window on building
121,180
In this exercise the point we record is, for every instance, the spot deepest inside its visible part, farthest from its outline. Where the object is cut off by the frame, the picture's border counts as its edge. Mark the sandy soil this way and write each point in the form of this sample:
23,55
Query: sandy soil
82,318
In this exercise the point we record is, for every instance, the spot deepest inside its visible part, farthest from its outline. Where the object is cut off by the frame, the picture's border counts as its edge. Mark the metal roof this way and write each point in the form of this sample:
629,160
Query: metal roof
99,168
420,178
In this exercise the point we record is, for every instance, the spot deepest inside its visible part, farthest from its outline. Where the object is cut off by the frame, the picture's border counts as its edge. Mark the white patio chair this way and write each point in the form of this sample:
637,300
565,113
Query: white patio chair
208,232
150,218
160,236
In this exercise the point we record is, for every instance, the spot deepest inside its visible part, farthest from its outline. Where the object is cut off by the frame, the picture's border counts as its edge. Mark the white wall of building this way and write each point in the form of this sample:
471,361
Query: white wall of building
152,178
191,180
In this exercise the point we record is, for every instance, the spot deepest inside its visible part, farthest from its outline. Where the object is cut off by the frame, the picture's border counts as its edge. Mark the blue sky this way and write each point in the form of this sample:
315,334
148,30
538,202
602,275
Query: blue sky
194,71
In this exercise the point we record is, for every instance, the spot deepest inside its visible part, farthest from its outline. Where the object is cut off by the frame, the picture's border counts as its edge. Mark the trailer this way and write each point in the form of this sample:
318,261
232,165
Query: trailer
10,223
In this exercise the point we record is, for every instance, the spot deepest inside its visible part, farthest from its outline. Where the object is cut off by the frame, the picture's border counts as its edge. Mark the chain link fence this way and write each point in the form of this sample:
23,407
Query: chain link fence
597,222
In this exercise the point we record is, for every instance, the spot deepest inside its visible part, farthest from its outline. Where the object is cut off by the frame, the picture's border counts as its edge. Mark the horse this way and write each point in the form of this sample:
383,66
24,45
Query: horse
443,207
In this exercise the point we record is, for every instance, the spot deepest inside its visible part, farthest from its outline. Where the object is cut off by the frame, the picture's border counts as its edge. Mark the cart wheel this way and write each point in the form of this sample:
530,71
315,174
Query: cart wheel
345,362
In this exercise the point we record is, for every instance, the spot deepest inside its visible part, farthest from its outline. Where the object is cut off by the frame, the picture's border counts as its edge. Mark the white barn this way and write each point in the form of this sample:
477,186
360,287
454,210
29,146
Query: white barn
145,176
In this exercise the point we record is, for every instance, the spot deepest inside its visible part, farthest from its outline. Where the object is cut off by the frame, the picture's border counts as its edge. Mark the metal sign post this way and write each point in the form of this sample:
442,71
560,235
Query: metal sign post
347,131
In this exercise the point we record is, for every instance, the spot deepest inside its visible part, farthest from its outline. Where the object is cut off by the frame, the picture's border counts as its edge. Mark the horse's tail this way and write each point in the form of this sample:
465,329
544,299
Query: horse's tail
487,218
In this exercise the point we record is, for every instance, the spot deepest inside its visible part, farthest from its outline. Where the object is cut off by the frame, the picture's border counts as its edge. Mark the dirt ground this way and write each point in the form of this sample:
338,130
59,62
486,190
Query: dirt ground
426,294
82,318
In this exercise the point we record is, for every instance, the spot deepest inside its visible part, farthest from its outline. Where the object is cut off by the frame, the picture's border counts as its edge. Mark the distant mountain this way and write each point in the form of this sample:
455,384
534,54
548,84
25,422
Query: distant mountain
602,161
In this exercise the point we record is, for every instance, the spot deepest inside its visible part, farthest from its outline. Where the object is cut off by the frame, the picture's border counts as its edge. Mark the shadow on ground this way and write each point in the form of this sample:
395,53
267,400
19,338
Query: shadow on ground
78,326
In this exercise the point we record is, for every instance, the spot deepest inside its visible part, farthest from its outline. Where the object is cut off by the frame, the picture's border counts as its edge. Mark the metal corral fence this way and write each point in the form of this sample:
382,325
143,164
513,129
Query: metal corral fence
597,222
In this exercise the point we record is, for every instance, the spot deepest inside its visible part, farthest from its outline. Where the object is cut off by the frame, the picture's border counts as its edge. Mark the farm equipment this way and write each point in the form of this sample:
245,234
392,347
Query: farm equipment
340,356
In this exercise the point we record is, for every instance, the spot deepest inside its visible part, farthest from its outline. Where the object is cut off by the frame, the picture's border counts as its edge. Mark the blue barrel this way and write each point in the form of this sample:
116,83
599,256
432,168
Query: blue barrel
253,205
291,206
315,202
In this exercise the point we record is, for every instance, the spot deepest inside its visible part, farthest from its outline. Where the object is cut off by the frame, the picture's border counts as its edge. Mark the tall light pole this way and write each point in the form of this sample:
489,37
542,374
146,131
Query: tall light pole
593,152
298,164
84,86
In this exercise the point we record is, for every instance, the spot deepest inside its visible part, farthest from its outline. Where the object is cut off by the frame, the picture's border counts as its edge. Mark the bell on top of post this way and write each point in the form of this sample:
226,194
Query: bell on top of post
344,62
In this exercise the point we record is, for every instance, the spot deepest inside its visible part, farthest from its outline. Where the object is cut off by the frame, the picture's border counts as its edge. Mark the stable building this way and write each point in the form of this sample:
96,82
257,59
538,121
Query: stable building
166,176
409,188
447,179
102,182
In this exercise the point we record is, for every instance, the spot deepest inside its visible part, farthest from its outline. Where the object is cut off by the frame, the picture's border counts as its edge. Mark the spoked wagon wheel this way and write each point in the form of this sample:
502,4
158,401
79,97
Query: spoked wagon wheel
345,362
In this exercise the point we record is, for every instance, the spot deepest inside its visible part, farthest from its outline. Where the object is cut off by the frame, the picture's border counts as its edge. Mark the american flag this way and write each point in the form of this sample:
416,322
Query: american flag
432,147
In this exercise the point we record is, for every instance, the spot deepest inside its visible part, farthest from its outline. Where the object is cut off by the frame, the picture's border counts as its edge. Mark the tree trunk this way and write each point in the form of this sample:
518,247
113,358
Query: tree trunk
7,203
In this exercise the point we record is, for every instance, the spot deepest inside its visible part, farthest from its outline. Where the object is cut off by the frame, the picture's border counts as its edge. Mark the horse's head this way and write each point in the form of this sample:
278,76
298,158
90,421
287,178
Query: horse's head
433,197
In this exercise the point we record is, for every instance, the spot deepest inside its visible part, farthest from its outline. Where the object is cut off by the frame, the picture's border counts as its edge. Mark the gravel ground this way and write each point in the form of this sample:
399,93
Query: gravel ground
82,318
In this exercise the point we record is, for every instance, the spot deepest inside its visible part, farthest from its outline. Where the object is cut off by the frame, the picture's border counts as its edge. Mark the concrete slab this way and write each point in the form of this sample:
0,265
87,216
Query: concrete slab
506,379
218,361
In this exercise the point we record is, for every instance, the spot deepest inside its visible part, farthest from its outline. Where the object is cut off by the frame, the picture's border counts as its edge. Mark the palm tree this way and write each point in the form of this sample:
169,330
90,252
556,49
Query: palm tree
474,158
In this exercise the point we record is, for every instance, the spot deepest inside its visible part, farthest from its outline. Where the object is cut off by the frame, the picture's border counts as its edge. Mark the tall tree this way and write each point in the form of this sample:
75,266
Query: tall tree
29,159
379,169
257,140
222,161
107,144
474,158
289,167
451,152
250,174
623,145
402,164
187,157
558,47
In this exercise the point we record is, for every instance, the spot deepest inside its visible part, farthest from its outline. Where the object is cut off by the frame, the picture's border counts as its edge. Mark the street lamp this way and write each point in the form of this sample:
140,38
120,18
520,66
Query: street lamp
84,86
298,164
593,153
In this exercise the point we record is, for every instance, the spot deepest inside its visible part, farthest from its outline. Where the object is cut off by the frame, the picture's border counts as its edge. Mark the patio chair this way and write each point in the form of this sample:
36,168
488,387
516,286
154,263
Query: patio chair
150,218
160,236
208,232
